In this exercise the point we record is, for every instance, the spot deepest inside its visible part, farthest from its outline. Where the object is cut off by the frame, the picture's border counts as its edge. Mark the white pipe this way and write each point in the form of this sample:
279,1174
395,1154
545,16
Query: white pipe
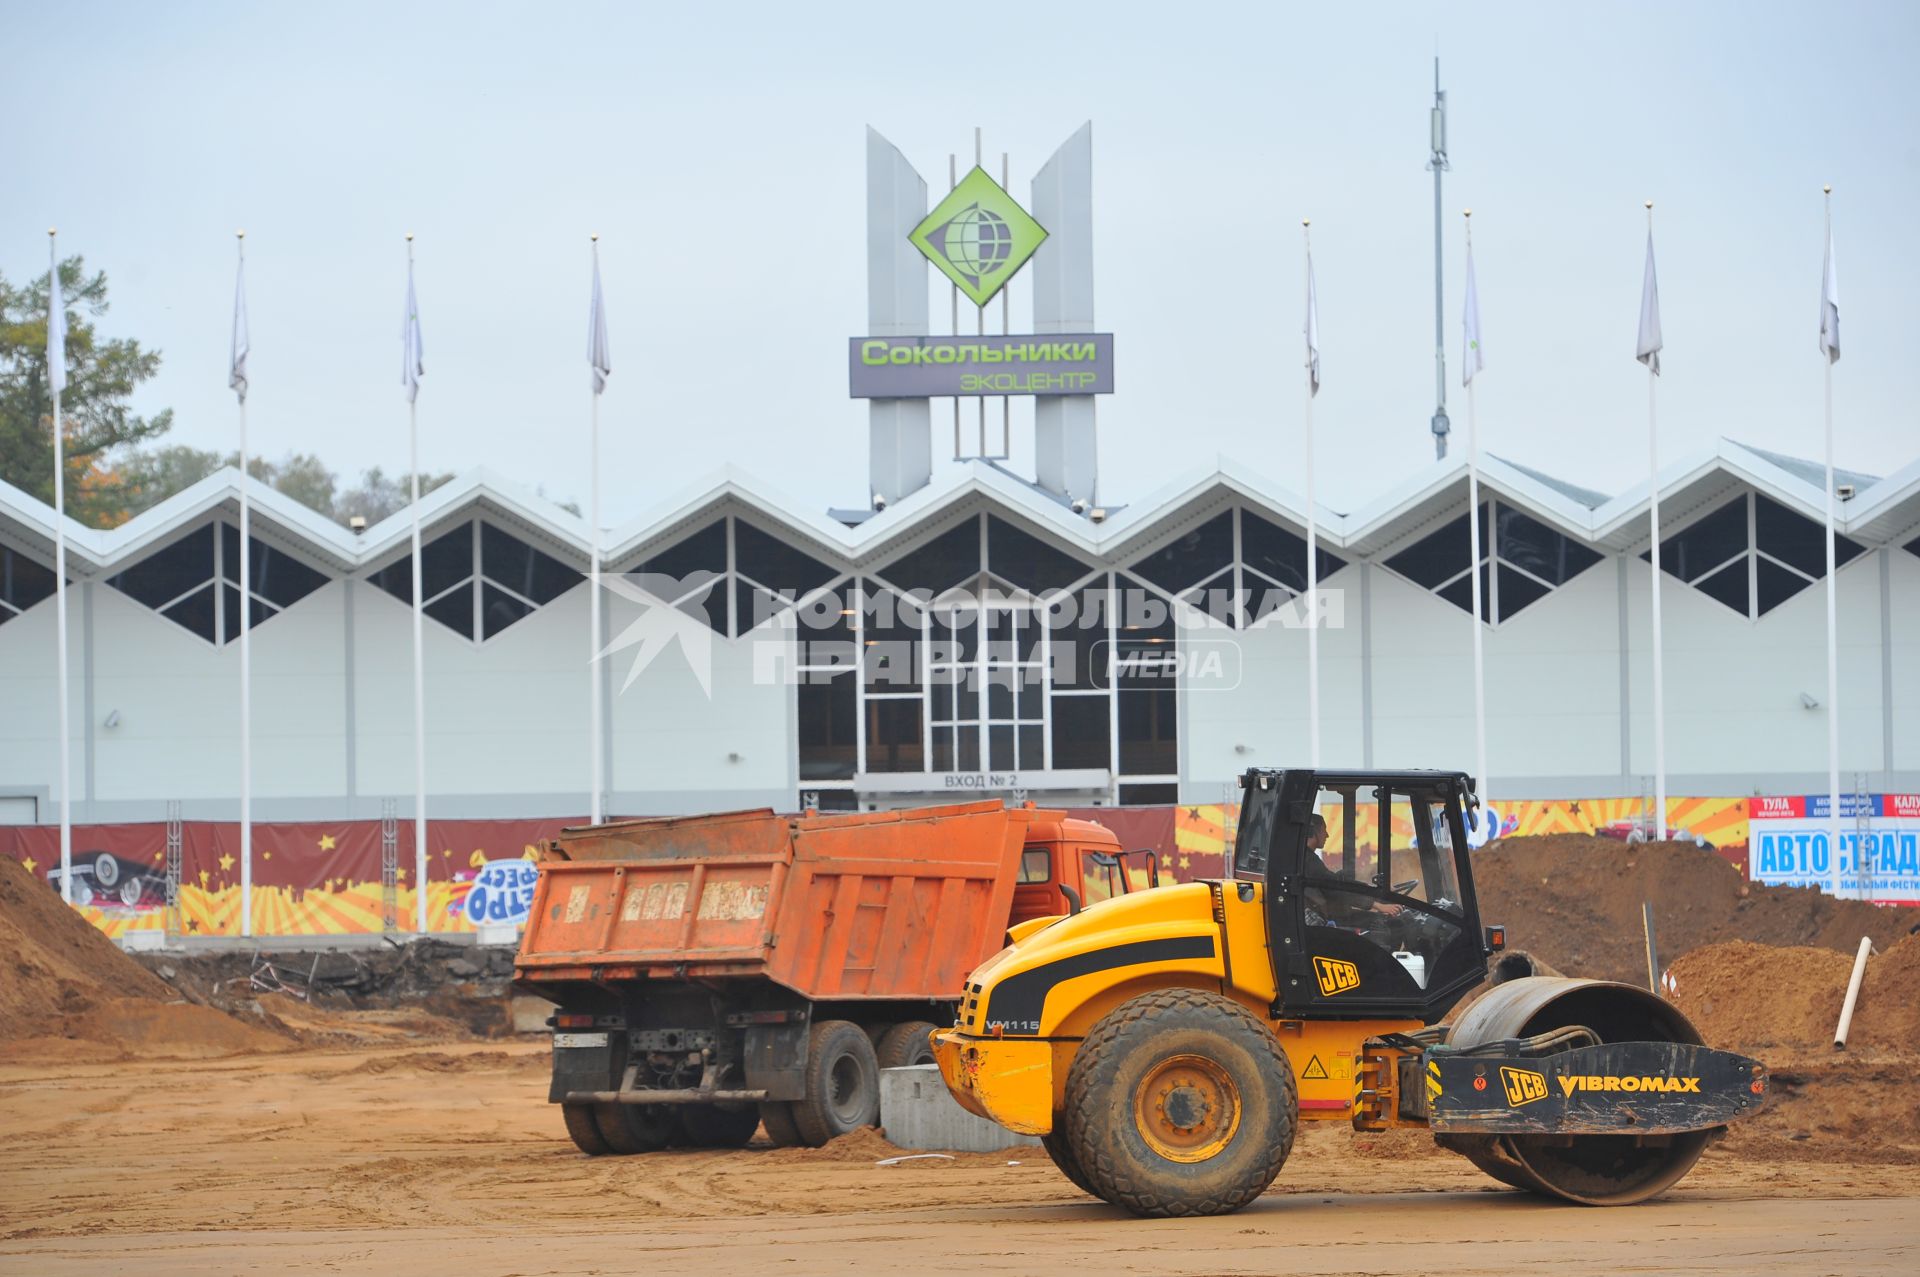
1853,994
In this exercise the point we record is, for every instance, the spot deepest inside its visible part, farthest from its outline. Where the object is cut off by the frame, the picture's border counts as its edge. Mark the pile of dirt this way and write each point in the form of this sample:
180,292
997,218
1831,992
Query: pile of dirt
1574,901
1752,997
66,981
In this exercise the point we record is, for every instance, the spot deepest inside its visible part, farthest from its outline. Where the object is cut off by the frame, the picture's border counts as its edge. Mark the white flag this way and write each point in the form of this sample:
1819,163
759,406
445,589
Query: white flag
1648,350
1313,334
1471,359
56,333
1830,305
237,369
411,368
597,357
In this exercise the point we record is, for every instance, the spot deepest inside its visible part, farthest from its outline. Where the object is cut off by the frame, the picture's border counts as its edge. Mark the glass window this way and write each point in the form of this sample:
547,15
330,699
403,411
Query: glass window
23,583
165,575
511,563
895,649
1535,548
1438,557
1699,548
1192,557
1797,542
775,564
454,610
1776,584
1280,555
1153,795
1036,865
1080,732
1459,592
1148,731
1728,585
950,559
893,736
446,561
498,610
704,551
1027,562
827,727
1517,590
1098,881
195,612
279,578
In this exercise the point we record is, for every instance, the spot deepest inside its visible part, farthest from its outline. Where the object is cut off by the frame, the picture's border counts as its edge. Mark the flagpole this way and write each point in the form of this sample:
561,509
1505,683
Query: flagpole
1659,830
419,651
246,661
1313,541
593,552
1473,536
1833,657
56,378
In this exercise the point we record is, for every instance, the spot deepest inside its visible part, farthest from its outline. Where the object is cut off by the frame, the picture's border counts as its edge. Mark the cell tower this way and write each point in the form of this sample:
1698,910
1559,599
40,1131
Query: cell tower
1438,163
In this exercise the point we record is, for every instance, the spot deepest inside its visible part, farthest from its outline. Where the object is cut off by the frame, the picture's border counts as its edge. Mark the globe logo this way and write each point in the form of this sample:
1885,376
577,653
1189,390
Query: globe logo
977,242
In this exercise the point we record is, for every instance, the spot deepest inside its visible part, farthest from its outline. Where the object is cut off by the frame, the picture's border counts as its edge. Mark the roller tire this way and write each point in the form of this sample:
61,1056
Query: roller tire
720,1125
584,1130
1060,1149
842,1083
1113,1073
636,1128
905,1045
777,1117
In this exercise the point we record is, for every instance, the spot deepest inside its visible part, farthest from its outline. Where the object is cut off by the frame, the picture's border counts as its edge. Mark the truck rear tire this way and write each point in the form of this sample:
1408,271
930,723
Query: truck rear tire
842,1083
905,1045
583,1130
636,1128
1180,1102
777,1117
720,1125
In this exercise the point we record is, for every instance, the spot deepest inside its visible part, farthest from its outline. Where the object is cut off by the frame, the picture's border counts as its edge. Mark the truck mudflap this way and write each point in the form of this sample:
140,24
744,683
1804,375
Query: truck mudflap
1615,1088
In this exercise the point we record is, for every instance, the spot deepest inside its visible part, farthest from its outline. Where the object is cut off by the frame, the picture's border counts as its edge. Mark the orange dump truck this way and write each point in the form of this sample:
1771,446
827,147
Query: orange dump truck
713,973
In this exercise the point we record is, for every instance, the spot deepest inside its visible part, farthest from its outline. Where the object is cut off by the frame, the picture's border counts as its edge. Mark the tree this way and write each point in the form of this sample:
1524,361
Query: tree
378,496
102,375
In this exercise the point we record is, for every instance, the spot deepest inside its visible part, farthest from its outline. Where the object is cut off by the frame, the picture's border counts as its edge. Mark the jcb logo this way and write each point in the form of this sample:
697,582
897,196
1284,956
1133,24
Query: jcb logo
1523,1086
1335,976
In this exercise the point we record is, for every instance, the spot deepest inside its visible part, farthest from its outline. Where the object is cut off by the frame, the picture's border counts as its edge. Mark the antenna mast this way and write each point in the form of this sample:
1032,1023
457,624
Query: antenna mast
1438,163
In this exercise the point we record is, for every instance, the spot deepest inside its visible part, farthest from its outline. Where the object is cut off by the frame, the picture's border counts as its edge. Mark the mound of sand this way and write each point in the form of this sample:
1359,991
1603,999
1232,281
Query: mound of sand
1753,997
66,981
1574,901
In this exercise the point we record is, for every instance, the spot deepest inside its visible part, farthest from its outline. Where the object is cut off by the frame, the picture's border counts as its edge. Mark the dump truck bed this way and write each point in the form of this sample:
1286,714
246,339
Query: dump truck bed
877,905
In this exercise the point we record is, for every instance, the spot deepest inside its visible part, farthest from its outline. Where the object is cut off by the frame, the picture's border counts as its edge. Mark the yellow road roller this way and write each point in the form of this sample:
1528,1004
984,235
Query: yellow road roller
1165,1045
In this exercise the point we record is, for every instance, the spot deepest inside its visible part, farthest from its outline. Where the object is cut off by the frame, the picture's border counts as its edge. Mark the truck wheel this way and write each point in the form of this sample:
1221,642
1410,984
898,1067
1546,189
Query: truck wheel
636,1128
905,1045
1180,1103
130,892
583,1130
777,1117
720,1125
842,1083
106,870
1060,1149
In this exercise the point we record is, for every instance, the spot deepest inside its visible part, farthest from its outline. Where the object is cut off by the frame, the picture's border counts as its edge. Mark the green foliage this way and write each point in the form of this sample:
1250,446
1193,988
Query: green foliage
102,375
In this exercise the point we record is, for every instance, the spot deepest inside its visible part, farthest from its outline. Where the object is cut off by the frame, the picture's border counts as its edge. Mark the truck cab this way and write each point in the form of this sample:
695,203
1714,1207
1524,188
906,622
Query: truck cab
1068,864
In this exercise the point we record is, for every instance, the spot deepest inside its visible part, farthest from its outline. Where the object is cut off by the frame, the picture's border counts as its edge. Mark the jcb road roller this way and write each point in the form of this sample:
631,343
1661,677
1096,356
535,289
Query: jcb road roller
1165,1045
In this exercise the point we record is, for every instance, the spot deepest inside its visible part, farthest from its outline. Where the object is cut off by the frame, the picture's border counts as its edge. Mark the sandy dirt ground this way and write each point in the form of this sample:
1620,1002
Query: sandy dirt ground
445,1159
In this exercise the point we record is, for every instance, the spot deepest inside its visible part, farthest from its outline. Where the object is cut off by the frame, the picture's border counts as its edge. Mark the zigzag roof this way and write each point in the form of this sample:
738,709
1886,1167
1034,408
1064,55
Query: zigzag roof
1882,511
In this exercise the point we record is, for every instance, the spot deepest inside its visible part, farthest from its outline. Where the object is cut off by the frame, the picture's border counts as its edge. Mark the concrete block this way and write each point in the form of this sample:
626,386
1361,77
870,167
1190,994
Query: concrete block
917,1112
141,941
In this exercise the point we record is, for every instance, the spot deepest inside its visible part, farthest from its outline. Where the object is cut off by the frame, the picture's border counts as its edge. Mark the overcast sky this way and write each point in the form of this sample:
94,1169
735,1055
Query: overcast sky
718,149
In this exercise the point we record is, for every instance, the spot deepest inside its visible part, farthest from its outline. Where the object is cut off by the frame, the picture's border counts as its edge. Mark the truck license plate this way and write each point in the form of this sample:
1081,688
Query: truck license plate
562,1040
